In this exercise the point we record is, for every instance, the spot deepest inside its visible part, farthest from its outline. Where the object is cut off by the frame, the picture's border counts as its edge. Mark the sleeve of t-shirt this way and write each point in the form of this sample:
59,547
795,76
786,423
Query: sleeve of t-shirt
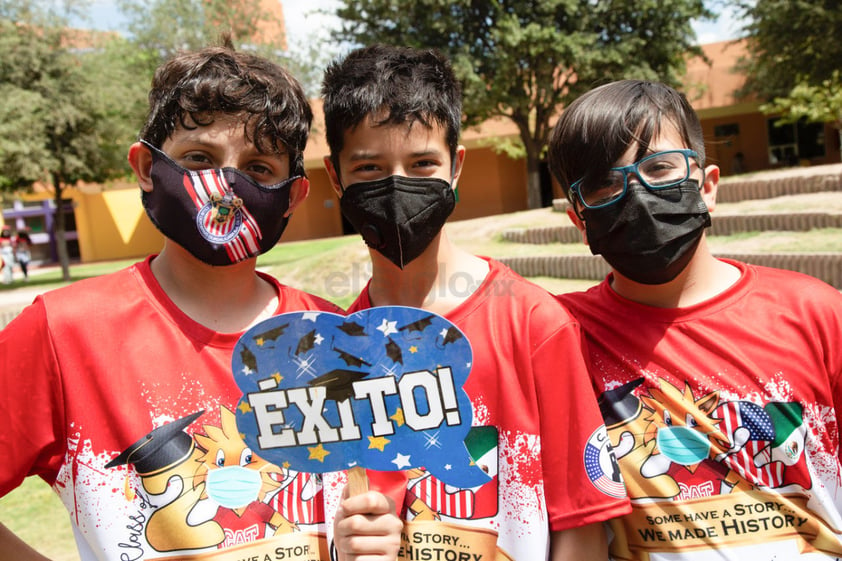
578,486
32,413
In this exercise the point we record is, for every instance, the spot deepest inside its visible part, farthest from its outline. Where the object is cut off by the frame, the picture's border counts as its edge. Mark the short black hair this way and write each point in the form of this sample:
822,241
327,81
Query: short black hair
395,84
214,80
596,129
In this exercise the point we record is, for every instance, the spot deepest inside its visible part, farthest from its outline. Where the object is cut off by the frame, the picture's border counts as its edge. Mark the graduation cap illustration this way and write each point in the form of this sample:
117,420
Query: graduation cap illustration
164,446
620,404
418,325
339,383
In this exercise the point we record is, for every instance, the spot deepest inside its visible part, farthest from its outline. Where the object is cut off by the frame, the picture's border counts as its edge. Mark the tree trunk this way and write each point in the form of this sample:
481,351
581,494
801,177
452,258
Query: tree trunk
533,180
61,239
839,130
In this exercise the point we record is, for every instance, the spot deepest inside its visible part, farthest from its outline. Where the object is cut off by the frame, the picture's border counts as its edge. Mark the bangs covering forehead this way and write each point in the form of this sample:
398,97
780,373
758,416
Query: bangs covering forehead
598,127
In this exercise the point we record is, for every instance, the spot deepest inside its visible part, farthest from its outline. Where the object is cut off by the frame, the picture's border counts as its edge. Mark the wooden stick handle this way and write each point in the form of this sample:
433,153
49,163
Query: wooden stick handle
357,481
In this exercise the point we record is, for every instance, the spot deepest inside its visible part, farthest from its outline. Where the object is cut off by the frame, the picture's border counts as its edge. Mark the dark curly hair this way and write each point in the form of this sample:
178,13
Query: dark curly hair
214,80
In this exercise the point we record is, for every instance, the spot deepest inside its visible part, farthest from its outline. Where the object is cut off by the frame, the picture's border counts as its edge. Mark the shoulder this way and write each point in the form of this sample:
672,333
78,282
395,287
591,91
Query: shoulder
781,288
294,299
99,289
507,293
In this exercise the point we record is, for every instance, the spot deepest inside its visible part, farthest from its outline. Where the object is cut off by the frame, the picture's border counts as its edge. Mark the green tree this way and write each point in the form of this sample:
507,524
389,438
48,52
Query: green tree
162,27
63,107
525,59
795,59
815,104
790,43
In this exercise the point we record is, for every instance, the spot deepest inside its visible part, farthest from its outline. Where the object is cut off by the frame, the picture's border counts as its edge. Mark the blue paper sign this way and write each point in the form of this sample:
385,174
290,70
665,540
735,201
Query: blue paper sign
380,389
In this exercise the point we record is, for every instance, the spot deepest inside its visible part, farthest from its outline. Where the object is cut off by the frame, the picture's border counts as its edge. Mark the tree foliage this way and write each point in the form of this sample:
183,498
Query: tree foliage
795,58
163,27
64,108
790,43
525,59
815,104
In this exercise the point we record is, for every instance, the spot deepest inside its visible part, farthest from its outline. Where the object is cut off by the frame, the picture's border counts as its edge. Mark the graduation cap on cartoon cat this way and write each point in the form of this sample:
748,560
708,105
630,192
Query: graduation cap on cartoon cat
162,447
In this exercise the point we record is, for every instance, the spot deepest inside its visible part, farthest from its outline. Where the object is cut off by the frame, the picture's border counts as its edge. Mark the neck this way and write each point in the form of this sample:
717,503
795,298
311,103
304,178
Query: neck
440,279
704,278
225,299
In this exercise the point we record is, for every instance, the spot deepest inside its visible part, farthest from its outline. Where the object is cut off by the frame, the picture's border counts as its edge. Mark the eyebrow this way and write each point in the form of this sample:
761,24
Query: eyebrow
358,156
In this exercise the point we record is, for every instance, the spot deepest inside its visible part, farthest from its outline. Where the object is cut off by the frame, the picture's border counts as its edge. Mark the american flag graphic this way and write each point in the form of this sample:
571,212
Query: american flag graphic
761,432
601,480
239,235
434,493
289,502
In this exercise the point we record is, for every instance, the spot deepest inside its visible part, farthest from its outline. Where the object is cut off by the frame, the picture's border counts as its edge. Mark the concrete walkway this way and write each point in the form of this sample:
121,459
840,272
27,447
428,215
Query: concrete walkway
13,300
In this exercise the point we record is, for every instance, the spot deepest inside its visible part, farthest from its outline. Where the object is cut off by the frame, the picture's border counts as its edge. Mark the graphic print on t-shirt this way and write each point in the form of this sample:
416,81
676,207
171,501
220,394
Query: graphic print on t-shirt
709,471
210,491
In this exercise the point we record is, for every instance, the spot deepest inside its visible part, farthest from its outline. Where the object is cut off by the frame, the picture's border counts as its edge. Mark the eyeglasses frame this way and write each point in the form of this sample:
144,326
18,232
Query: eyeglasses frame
630,169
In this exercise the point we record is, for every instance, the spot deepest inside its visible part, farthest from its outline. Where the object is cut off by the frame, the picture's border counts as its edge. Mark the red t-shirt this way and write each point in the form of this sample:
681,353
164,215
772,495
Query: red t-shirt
723,416
88,370
529,380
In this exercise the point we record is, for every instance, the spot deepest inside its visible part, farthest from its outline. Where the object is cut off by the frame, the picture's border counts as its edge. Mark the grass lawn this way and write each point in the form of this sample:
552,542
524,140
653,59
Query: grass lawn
37,516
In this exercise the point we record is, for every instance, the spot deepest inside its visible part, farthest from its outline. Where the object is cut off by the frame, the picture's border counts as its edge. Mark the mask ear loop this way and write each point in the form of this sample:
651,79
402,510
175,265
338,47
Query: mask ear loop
453,178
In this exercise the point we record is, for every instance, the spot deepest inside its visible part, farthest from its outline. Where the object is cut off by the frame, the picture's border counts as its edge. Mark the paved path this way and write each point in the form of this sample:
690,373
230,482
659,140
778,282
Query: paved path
13,300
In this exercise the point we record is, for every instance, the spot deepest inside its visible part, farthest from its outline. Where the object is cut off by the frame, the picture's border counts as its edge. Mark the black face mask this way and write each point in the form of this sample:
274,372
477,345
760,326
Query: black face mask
221,216
649,237
398,216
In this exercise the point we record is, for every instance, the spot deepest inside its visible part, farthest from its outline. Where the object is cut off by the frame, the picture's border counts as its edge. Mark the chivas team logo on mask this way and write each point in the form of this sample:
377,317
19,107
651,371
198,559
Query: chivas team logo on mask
220,219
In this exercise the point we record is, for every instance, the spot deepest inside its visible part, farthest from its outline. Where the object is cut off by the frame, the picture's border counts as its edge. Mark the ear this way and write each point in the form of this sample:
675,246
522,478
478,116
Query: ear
577,222
458,162
710,187
333,174
297,193
140,158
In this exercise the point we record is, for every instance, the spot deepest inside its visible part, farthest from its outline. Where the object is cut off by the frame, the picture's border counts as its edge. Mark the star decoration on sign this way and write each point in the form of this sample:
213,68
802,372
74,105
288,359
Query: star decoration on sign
401,461
413,349
317,452
398,417
310,316
388,327
432,440
377,442
244,407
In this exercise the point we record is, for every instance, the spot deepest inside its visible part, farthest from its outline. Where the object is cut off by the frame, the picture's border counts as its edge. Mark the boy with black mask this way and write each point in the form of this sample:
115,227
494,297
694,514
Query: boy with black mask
393,118
719,381
102,380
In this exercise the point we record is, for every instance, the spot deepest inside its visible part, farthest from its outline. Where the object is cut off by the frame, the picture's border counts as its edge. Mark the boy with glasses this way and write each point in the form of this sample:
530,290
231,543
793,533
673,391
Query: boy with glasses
719,381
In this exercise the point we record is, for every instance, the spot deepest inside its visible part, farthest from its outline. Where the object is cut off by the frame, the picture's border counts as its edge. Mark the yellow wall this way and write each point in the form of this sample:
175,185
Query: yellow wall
112,224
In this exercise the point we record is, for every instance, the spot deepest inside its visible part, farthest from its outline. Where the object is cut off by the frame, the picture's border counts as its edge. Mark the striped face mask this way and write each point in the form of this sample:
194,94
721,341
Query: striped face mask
221,216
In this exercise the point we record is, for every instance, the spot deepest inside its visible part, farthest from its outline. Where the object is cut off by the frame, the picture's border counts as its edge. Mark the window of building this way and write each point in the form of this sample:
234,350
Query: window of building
790,143
728,129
